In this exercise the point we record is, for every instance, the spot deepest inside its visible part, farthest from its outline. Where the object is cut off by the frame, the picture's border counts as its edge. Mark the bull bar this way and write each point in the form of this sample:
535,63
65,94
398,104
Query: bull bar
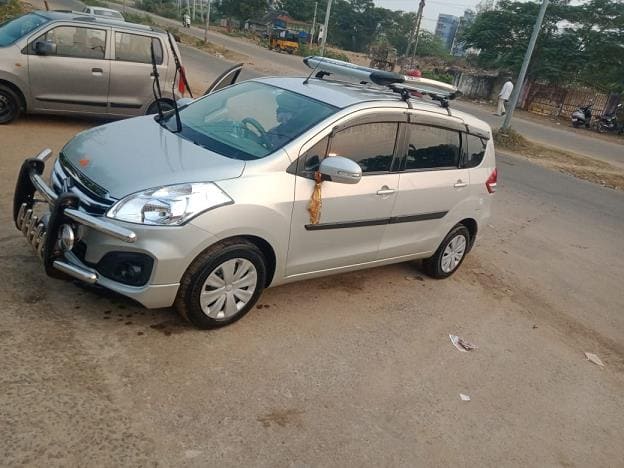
43,233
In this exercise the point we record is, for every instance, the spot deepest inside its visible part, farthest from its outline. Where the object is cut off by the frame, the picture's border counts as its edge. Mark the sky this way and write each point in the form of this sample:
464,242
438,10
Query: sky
432,8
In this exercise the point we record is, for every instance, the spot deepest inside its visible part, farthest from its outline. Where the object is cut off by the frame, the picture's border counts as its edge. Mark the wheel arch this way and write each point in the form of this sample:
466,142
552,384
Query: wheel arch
473,227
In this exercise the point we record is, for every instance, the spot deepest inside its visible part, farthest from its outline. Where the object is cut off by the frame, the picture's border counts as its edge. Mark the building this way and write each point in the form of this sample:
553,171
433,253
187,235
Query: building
446,28
458,48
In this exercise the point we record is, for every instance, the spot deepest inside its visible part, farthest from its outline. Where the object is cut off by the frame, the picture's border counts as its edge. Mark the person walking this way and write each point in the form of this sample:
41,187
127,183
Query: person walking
503,96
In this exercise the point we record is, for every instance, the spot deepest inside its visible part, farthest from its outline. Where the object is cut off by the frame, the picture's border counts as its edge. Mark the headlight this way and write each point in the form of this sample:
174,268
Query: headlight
170,205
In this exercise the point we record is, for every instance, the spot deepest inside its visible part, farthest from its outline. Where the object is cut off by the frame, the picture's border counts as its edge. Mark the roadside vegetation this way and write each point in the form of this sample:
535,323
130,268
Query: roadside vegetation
580,166
11,9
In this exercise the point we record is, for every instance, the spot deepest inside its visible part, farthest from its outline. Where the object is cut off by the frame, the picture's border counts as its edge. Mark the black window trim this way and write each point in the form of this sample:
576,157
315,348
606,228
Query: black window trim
31,42
404,147
114,58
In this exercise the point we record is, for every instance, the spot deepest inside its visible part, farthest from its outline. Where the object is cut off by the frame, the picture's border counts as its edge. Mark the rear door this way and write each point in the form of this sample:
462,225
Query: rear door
433,189
76,78
132,74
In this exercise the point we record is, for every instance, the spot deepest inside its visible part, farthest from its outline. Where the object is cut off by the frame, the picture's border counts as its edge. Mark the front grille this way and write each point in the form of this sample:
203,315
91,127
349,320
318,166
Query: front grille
90,202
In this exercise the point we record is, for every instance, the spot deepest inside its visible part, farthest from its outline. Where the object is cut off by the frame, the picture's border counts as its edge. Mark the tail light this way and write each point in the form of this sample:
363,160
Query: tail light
490,183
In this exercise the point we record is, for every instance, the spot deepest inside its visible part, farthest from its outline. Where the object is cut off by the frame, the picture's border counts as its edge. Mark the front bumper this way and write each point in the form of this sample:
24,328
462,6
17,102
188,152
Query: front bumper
40,220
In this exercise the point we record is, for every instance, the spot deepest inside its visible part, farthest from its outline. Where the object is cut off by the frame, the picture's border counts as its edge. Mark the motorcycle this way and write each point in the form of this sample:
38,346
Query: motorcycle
609,122
582,116
186,22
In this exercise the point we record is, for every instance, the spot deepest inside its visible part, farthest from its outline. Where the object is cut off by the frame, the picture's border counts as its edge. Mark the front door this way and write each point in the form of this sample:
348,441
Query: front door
433,188
353,216
76,77
132,72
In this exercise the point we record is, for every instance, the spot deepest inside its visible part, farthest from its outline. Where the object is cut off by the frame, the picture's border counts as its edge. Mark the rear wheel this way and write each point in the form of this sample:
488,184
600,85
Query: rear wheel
450,254
222,284
9,105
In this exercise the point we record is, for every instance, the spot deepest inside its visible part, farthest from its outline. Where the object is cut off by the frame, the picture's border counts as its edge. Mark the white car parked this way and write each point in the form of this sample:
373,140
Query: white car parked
103,12
263,183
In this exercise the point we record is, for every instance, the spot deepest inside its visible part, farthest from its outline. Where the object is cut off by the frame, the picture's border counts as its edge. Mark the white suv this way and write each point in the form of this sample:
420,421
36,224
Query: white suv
258,184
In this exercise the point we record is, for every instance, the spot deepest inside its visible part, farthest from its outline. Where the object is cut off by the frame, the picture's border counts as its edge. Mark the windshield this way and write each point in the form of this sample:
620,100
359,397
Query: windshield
12,30
250,120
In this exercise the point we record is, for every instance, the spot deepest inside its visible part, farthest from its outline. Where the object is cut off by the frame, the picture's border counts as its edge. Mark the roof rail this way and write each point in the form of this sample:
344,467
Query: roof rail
400,84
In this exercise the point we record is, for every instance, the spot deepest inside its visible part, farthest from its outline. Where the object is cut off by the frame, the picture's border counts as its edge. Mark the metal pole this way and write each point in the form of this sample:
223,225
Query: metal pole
515,95
421,7
313,24
207,22
325,27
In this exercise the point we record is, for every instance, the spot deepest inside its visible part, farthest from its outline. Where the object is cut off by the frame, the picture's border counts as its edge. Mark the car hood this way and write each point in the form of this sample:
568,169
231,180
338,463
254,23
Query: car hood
136,154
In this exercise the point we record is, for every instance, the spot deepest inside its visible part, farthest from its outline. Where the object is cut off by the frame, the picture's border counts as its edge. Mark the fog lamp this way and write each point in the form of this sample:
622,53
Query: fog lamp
66,237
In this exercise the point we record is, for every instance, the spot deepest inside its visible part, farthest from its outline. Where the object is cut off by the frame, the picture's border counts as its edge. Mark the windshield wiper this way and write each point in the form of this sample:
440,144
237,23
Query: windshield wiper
156,85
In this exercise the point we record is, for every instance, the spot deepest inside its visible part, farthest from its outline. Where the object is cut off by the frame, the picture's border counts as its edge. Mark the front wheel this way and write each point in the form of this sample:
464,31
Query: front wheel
602,128
9,105
450,254
222,284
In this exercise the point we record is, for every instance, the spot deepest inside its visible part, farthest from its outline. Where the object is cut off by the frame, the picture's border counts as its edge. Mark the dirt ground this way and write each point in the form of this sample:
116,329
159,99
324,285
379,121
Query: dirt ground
352,370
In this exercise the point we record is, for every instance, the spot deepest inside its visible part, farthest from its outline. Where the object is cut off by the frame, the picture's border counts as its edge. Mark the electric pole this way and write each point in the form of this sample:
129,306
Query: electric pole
313,24
207,22
515,95
421,7
325,27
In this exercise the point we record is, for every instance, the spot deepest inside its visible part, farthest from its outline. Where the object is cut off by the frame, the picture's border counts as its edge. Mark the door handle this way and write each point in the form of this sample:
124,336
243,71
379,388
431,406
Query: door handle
460,183
97,70
385,190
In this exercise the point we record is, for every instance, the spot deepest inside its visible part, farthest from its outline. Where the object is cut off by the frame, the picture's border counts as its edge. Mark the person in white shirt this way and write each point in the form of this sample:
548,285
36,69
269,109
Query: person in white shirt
504,96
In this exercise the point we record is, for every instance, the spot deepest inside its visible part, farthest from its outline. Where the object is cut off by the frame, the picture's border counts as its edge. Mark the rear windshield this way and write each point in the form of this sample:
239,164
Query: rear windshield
12,30
250,120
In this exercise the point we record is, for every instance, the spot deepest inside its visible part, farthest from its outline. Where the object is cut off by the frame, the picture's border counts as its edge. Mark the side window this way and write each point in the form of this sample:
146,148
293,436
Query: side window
432,148
136,48
309,162
77,42
475,151
369,145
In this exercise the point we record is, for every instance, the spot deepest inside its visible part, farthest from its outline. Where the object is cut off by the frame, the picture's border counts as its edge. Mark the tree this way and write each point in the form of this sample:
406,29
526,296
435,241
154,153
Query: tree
577,43
242,9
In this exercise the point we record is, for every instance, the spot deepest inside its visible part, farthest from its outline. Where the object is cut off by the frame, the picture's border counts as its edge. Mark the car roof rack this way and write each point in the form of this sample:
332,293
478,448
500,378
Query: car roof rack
403,85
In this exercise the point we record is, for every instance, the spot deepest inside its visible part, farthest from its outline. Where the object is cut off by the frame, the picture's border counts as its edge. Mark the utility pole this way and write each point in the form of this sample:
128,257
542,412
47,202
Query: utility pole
207,22
421,7
313,24
325,27
515,95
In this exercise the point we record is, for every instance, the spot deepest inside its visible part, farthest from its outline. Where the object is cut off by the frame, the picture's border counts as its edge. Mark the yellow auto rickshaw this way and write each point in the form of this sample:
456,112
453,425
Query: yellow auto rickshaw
284,40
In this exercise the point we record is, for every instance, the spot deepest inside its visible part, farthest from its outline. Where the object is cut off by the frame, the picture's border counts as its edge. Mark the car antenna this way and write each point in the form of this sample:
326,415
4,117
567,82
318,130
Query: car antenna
313,70
156,84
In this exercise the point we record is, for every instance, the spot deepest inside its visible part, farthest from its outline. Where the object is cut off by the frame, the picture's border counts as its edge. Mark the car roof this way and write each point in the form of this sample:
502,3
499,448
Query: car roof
345,94
61,15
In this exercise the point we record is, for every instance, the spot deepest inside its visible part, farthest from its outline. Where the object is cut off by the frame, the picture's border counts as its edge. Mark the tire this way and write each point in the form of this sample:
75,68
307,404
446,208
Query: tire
165,104
221,305
440,265
10,106
602,128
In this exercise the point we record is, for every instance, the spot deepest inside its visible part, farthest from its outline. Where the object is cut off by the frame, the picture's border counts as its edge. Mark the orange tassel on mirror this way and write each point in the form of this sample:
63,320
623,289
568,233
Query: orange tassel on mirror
315,202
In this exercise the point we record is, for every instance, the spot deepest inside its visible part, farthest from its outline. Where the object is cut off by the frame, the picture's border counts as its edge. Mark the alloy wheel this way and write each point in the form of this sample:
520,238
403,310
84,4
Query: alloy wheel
453,253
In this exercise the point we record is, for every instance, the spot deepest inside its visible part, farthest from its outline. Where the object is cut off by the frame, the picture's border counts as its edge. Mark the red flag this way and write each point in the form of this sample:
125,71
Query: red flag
182,81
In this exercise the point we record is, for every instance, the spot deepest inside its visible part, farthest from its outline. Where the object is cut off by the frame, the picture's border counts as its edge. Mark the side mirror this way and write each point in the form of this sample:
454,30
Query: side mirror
185,101
341,170
45,48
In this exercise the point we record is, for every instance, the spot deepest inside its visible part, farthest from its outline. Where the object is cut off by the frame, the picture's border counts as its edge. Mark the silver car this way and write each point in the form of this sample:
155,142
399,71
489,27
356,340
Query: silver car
259,184
104,12
71,63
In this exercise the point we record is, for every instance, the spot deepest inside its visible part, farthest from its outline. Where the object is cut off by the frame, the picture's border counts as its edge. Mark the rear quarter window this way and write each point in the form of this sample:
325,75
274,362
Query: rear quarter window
475,151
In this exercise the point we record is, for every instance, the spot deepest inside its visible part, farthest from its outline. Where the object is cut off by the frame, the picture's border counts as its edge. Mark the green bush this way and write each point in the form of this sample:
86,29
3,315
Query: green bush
438,76
11,9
